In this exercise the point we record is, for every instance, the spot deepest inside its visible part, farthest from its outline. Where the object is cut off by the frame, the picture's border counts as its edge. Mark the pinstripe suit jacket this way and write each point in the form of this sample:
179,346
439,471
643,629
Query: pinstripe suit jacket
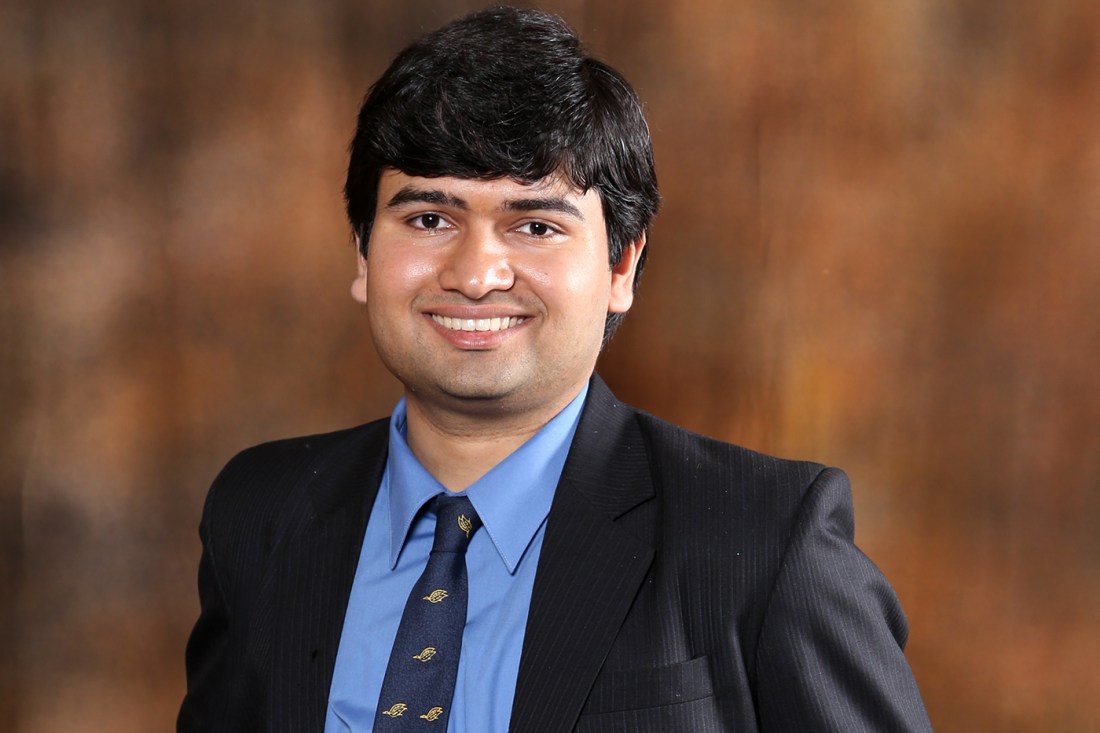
684,585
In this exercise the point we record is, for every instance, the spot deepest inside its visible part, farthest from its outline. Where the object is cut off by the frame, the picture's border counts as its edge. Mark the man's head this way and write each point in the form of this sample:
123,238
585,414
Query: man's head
507,93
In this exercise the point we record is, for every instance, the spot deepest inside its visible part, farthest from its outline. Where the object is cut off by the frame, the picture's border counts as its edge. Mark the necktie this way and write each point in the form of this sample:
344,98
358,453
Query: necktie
420,678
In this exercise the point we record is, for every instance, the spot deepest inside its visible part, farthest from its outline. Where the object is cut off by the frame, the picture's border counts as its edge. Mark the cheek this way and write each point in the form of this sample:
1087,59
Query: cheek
572,286
541,275
393,275
587,278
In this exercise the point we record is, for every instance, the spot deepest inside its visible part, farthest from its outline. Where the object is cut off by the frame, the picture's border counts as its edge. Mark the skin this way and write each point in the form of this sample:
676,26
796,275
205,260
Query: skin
463,249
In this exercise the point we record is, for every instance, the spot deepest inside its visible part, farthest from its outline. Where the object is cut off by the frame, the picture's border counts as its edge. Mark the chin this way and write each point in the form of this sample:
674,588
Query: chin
483,381
468,392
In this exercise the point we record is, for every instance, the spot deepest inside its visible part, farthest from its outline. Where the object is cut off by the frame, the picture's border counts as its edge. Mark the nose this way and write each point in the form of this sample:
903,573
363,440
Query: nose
476,265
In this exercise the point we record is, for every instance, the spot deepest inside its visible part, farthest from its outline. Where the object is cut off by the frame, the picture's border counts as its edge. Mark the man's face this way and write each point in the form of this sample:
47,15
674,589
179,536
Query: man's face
490,295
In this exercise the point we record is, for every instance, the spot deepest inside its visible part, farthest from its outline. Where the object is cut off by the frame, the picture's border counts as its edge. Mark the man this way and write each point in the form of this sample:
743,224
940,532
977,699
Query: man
615,573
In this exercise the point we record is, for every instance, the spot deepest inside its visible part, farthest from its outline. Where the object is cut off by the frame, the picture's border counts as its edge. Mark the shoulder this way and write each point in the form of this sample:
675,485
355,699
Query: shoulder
701,461
259,481
716,494
280,459
692,474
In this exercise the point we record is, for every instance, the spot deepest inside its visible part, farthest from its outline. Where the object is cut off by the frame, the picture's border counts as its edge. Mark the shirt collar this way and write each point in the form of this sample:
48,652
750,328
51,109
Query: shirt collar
513,499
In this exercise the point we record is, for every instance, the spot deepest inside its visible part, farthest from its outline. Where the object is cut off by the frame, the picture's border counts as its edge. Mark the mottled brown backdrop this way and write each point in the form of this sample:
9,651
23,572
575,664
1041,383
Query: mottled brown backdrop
879,248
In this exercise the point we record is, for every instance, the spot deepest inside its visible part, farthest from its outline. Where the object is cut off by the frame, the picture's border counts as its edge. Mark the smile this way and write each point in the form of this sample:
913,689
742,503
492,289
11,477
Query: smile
478,324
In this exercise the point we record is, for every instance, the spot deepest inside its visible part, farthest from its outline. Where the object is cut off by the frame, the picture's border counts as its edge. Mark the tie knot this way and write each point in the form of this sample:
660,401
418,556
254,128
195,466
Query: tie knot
455,523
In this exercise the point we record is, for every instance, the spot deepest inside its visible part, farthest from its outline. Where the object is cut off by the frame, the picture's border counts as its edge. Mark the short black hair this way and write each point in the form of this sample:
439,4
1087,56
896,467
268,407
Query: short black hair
506,92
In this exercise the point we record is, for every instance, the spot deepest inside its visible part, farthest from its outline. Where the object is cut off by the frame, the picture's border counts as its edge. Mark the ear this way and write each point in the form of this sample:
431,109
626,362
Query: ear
622,277
359,284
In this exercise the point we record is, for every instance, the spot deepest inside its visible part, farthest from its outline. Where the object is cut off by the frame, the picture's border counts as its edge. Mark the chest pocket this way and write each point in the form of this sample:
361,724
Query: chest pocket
667,699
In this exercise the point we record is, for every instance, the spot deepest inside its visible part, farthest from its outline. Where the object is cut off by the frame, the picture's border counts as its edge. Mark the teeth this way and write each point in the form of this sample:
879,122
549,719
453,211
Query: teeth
478,324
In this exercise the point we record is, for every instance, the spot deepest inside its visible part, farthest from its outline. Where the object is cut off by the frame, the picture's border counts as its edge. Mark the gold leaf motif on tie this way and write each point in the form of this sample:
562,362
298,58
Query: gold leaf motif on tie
397,710
465,524
433,714
427,653
436,596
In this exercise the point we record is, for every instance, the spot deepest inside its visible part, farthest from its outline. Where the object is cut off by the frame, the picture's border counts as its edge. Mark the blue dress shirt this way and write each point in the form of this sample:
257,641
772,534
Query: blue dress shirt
513,500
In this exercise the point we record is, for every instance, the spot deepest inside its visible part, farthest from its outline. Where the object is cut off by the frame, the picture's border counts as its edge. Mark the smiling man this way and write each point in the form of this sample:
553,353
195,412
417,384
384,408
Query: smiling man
514,549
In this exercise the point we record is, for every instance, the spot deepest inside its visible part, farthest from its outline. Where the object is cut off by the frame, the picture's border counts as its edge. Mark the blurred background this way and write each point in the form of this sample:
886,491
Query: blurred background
879,248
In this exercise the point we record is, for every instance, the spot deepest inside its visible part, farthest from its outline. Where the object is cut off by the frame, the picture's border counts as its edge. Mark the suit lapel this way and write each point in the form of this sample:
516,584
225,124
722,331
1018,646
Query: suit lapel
594,558
322,533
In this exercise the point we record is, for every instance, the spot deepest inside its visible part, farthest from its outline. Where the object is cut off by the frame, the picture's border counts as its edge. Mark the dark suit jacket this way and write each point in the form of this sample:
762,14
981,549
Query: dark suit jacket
684,585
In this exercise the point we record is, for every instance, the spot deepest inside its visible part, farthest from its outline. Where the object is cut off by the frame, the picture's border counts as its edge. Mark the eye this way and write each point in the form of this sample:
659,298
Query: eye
537,229
427,221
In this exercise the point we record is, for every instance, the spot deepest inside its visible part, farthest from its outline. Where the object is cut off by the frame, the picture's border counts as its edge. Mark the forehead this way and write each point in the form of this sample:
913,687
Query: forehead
553,192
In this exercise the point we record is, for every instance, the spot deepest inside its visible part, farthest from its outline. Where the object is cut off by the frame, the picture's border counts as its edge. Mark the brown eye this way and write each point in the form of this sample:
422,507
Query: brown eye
537,229
429,221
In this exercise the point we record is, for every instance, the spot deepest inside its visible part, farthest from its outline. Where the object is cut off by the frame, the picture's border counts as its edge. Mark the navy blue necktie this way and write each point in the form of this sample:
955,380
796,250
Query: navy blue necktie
420,678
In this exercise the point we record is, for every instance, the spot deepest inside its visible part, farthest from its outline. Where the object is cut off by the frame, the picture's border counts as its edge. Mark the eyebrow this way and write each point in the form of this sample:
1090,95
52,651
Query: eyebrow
549,203
412,194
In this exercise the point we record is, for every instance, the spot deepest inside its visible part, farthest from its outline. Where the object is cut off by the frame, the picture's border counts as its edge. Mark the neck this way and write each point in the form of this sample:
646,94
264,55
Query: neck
460,448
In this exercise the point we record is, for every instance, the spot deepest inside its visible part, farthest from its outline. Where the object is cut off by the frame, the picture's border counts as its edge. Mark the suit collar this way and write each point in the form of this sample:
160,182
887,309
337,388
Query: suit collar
601,520
608,464
354,466
510,517
597,551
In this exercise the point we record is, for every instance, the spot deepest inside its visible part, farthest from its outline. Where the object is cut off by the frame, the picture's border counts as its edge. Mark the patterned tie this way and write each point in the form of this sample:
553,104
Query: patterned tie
420,678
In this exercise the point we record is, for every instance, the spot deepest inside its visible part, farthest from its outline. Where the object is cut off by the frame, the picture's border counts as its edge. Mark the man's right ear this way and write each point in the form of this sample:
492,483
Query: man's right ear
359,284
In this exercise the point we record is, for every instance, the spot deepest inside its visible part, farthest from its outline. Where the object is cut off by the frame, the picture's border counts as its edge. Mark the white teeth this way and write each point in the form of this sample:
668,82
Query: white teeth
479,324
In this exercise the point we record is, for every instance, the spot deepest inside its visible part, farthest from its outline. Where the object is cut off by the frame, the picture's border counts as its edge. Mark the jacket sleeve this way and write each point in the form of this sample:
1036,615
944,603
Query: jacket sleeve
830,655
215,690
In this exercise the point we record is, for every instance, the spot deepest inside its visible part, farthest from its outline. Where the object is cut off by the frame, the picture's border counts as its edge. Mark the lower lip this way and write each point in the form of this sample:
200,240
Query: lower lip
476,340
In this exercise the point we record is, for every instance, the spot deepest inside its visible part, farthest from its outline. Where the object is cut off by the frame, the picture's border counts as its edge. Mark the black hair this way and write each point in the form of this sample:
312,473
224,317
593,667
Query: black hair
506,92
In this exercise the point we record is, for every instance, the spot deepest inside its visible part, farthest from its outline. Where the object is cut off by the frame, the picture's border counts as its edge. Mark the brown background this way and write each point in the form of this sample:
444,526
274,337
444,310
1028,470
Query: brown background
878,249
